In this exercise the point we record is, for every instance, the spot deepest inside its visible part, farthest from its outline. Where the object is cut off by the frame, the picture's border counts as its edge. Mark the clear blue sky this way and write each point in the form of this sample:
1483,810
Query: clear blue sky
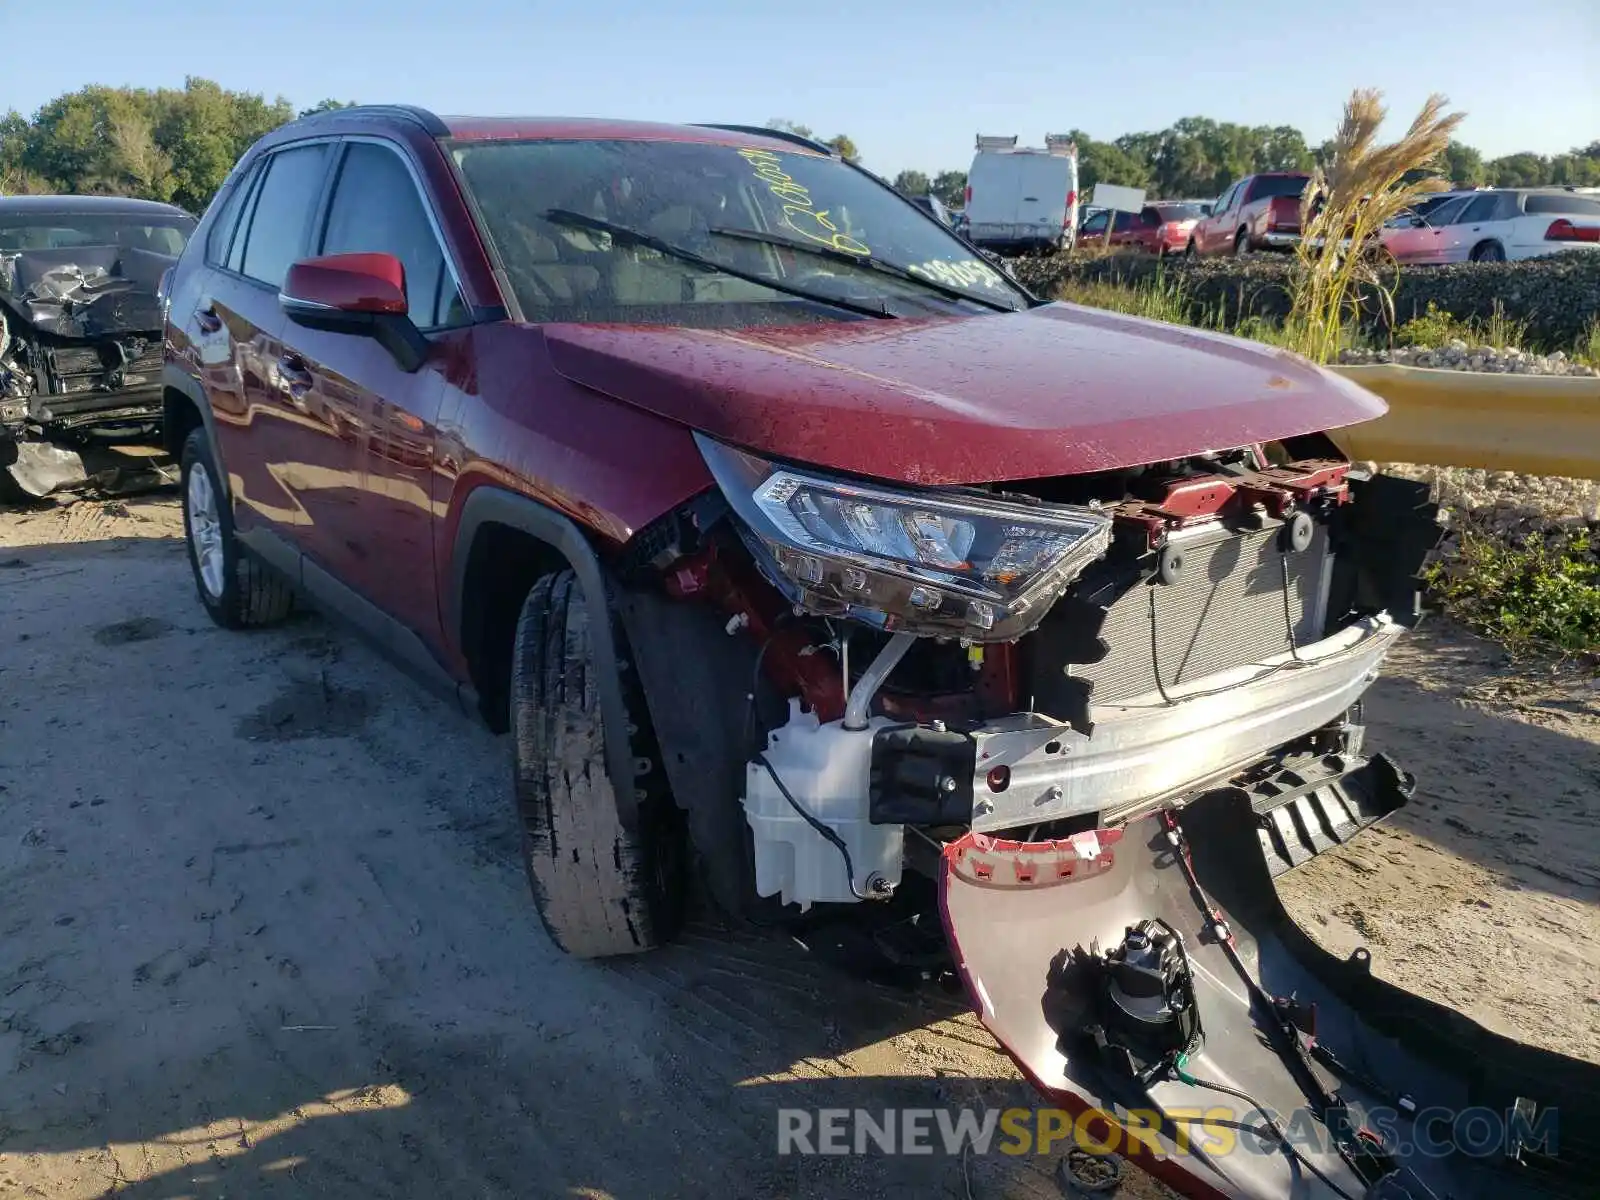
911,83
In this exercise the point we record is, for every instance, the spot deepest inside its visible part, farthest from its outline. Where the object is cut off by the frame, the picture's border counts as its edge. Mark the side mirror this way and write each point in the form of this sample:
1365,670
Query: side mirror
359,294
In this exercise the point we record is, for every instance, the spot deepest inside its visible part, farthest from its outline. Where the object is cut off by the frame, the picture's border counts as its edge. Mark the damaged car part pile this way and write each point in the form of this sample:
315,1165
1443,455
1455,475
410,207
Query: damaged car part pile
80,329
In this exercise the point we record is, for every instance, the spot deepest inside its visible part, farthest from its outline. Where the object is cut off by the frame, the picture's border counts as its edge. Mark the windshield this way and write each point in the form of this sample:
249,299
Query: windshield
68,231
1181,212
824,225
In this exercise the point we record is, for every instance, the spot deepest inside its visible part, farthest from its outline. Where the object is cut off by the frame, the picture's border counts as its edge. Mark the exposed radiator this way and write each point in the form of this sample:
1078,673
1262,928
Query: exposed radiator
1226,611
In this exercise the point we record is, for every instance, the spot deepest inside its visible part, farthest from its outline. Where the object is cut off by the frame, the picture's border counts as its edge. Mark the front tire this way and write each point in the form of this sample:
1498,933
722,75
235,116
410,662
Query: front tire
1489,252
1241,245
237,590
600,889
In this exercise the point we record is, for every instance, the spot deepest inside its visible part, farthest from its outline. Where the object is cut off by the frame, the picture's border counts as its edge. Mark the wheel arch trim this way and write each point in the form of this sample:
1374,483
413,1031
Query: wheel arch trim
174,379
489,505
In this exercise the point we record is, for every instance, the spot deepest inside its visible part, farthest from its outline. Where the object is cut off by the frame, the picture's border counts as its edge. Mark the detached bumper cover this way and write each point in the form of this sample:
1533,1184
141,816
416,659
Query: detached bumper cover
1014,911
1163,747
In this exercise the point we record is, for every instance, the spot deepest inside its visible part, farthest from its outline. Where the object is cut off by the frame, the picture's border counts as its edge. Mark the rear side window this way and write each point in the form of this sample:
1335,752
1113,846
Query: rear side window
1277,185
221,235
1480,209
1126,223
376,208
283,207
1569,206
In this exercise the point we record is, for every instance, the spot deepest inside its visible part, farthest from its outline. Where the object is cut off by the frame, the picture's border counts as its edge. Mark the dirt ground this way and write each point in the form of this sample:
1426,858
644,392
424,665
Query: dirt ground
263,930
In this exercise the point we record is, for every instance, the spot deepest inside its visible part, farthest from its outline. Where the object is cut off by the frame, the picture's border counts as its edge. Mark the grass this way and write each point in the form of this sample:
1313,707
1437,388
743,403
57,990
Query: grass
1436,328
1587,349
1163,299
1537,592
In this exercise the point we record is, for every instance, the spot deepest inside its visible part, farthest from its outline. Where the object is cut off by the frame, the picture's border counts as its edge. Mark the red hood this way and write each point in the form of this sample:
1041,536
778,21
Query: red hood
1057,390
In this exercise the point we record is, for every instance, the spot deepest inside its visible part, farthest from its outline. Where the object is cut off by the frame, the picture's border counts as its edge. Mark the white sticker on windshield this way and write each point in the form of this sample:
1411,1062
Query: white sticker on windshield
963,273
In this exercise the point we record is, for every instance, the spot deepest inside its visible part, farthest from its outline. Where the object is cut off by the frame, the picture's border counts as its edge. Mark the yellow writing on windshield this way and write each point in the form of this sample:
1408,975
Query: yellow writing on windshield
800,214
963,273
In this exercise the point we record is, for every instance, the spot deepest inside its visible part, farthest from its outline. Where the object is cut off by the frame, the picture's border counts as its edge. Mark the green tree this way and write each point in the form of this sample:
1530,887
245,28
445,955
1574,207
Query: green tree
327,105
950,187
912,183
1464,166
1519,170
1105,162
844,147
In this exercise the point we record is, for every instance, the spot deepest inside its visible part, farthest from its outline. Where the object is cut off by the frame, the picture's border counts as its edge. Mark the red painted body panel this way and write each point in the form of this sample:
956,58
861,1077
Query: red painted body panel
1054,391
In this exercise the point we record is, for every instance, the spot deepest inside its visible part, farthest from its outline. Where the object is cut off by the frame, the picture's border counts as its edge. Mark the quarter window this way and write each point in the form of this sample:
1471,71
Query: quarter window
376,208
284,204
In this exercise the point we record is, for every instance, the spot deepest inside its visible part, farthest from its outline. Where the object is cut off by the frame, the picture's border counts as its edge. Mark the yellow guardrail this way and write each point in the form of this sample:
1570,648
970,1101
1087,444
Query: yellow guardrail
1531,424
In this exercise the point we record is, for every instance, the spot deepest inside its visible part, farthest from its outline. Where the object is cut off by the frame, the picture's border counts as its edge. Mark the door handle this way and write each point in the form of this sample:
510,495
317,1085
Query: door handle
206,317
296,378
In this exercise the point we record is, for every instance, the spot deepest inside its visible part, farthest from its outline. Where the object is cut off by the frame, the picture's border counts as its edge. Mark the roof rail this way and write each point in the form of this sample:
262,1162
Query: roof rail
783,135
997,142
431,124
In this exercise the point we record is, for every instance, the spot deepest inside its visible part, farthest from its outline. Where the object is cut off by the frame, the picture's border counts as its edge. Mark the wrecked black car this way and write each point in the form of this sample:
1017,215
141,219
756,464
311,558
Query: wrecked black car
80,327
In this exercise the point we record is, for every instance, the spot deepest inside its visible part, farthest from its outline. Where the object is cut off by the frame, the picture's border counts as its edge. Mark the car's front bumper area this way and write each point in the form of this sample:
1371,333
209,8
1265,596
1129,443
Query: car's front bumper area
1029,769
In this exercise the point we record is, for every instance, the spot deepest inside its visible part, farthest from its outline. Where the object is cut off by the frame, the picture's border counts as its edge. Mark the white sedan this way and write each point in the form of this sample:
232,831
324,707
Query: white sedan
1497,226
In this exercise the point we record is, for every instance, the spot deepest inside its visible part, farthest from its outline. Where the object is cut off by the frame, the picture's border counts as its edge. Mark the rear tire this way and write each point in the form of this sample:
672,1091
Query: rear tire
600,890
237,590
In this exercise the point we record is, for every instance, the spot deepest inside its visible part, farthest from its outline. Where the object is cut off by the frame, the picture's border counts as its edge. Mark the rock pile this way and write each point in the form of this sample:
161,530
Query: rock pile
1457,355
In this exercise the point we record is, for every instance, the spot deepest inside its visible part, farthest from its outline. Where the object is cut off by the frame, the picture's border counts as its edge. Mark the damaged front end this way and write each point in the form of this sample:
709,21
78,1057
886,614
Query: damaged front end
1050,698
80,356
1041,657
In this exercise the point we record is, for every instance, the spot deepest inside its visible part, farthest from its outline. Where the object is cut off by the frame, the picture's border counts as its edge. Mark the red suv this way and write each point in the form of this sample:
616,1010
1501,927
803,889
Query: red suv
790,541
1161,228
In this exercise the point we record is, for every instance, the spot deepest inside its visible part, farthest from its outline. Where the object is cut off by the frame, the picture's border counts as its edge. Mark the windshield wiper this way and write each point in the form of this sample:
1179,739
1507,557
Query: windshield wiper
638,237
882,266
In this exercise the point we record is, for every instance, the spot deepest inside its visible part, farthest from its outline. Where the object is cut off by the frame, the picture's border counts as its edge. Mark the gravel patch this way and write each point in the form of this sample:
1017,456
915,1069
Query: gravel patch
1458,355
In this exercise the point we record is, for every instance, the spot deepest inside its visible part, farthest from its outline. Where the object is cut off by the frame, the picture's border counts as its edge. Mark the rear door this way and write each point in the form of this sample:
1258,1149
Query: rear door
1466,227
259,427
996,189
1042,204
378,424
1215,232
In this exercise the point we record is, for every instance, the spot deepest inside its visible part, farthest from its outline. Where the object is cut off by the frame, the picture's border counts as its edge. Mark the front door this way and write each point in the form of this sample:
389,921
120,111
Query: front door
261,420
381,422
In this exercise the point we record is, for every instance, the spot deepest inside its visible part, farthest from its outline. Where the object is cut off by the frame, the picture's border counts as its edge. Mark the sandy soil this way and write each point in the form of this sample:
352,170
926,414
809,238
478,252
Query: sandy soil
263,930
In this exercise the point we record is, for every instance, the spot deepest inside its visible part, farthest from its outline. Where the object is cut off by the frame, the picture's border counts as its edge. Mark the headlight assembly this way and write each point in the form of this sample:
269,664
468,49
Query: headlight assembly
963,566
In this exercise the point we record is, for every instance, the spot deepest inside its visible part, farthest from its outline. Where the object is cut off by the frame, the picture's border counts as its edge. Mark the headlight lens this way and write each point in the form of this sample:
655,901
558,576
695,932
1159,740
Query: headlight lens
965,566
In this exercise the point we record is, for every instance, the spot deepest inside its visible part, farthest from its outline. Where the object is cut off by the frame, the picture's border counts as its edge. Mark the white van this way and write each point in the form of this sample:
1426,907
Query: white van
1021,199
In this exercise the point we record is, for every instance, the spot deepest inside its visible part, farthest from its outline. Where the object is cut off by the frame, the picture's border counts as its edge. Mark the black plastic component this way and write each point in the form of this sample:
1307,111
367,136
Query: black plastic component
1381,541
1315,802
782,135
431,125
1146,1012
921,776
